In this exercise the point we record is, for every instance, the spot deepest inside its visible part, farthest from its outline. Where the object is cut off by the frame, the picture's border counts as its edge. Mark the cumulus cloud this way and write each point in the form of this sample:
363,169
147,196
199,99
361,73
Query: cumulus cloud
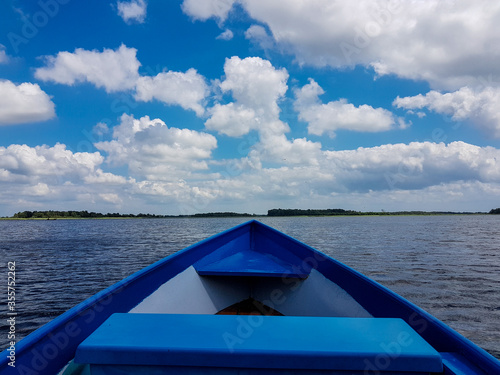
39,189
166,159
31,163
203,10
389,172
24,103
101,177
226,35
231,119
388,177
53,177
179,192
414,166
118,70
447,43
132,11
111,198
278,148
327,118
259,35
154,151
256,87
113,70
481,107
254,82
187,90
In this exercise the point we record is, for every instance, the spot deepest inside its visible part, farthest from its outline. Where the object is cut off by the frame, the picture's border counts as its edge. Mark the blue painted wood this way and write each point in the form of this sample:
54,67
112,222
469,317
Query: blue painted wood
251,264
318,343
48,349
457,364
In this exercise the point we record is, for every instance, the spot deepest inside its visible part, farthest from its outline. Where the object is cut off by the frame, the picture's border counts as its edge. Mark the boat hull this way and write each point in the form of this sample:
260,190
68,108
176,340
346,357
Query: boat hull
50,348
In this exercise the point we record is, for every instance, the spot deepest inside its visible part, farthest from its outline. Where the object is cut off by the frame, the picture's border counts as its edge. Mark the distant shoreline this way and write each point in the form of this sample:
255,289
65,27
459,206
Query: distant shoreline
78,215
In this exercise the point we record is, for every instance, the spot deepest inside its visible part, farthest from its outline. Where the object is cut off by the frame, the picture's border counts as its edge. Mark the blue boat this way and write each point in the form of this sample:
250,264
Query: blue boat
250,300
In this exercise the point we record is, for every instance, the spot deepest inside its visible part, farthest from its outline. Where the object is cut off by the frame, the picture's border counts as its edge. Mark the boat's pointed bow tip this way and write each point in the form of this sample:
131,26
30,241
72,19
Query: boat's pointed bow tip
252,222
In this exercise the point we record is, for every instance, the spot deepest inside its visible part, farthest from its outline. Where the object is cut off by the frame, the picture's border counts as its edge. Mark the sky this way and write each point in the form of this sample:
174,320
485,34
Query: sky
181,107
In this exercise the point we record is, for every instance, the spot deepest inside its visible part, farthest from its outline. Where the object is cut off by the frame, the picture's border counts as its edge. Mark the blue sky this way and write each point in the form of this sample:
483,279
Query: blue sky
179,107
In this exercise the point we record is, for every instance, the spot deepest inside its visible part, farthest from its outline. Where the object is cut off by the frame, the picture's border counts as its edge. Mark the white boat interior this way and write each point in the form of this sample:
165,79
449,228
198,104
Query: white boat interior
190,293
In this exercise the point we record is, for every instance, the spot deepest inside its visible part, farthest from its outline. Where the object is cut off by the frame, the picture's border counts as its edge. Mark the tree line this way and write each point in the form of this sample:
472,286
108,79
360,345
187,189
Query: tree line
51,214
309,212
339,212
220,214
76,215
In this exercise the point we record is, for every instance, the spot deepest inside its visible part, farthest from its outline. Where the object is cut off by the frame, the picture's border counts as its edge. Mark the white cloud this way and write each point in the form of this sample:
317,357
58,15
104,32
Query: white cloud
269,185
278,148
226,35
390,177
111,198
177,192
327,118
105,178
256,87
45,177
113,70
259,35
203,10
100,129
254,82
481,107
185,89
447,43
232,120
454,196
24,103
44,162
154,151
414,166
39,189
371,179
117,70
132,11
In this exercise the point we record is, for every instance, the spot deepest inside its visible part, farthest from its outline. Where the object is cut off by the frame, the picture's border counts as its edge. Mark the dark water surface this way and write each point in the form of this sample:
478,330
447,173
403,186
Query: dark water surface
448,265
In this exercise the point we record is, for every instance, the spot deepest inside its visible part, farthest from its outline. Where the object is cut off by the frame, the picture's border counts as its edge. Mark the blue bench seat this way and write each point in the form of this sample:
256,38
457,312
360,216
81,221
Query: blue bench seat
206,344
248,263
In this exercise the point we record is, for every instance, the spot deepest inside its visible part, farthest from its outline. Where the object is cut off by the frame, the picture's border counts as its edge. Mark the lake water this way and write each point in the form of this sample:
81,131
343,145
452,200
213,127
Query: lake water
448,265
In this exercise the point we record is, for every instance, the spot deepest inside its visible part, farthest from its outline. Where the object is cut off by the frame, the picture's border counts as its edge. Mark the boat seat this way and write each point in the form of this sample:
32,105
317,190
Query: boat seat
226,344
248,263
